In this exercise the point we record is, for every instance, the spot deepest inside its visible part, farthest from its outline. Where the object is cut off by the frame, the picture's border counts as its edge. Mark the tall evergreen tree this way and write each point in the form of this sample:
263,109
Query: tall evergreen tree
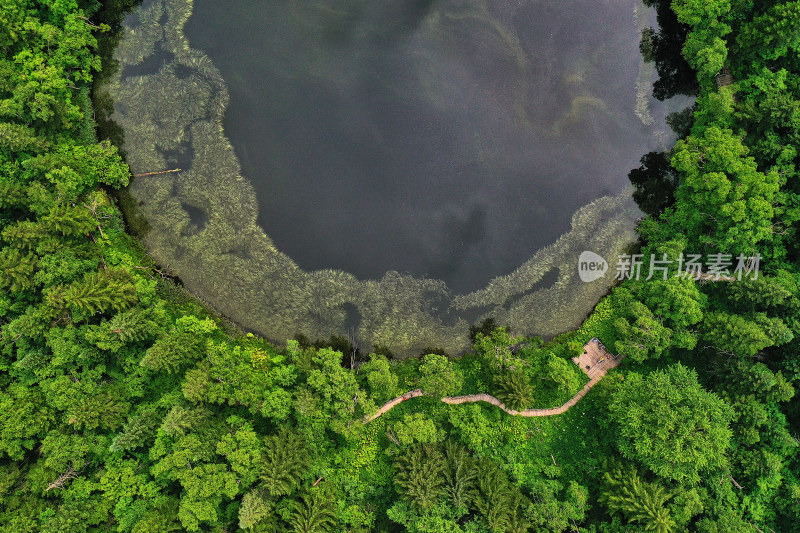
460,476
498,501
641,502
313,513
418,476
285,462
514,389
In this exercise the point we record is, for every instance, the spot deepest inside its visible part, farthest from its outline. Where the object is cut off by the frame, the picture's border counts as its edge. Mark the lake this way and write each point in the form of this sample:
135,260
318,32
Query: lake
395,170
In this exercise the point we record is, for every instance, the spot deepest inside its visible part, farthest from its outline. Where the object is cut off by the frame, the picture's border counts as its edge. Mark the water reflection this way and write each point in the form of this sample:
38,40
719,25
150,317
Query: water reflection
442,139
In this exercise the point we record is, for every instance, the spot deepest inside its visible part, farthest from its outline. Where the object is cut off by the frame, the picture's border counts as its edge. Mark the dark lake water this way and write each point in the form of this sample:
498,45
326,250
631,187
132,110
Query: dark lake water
443,139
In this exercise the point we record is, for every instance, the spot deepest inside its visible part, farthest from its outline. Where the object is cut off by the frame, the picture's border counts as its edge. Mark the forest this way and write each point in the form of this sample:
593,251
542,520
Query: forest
127,404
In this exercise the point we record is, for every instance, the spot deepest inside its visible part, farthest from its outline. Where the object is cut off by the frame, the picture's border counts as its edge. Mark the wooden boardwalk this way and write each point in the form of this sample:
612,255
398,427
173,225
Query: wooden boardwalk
455,400
394,402
595,361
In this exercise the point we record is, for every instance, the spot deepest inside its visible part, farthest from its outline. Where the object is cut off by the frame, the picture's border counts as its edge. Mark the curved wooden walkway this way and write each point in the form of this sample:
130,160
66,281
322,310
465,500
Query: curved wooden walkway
488,398
455,400
596,371
394,402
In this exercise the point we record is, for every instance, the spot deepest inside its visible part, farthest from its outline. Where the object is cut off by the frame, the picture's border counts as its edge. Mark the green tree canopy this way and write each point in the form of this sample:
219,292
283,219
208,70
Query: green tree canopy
439,376
725,203
669,423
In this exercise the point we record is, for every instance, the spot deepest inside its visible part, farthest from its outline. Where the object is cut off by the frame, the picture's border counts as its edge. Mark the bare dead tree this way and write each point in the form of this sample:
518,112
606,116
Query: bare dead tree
63,479
163,272
391,435
351,337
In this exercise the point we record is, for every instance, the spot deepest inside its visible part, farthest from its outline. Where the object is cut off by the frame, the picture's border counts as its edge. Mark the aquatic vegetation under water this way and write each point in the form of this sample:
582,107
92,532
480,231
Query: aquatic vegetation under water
203,220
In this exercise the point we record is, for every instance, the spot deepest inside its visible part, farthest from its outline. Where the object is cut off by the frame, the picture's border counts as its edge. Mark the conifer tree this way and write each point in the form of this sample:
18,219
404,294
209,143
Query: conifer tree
514,389
69,221
419,476
285,462
641,502
130,326
17,269
99,292
12,195
312,514
459,476
25,234
139,428
173,352
182,420
107,408
497,500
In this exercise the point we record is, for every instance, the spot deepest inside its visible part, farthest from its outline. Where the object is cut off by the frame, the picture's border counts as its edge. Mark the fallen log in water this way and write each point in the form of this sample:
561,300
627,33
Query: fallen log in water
143,174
